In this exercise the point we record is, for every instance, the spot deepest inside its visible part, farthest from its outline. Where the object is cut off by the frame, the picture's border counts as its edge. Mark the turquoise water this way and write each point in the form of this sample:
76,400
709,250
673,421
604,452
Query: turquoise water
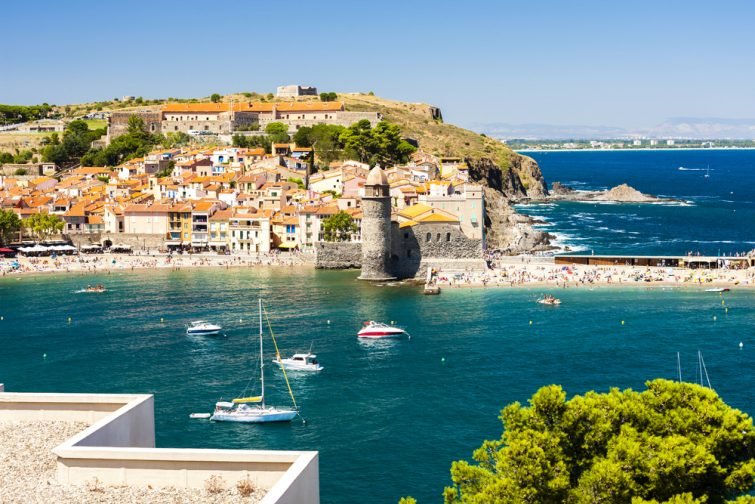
387,417
715,214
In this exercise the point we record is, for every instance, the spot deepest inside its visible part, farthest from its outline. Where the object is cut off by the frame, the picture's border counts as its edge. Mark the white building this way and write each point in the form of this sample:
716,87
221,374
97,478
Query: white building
293,90
464,201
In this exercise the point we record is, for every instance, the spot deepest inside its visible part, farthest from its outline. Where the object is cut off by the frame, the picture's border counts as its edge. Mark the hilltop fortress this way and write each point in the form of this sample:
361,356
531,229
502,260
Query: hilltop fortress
226,118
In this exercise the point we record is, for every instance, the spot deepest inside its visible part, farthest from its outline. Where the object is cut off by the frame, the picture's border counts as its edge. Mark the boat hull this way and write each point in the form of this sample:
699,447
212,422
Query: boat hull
375,334
296,367
255,417
203,332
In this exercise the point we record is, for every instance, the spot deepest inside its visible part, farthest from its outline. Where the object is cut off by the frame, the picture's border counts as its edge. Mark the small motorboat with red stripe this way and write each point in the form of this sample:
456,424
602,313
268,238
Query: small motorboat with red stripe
378,330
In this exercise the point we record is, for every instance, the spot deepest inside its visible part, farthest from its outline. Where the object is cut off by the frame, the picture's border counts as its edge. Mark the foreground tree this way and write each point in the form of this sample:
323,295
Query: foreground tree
674,442
9,226
44,225
338,227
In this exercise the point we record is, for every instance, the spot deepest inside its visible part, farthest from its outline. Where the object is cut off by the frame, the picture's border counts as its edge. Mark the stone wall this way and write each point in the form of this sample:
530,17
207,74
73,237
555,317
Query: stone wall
136,241
118,122
412,252
338,255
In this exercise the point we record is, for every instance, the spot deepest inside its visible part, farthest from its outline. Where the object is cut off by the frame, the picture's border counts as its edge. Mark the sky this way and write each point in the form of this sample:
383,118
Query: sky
624,64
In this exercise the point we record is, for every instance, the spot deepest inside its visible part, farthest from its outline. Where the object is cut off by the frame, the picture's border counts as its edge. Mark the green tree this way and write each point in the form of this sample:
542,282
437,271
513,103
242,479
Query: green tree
9,225
23,157
215,98
20,172
137,142
278,132
338,227
6,157
328,97
44,224
674,442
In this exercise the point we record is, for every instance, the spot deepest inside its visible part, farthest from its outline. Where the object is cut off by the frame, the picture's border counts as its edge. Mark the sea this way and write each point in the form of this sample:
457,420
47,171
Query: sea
712,212
388,418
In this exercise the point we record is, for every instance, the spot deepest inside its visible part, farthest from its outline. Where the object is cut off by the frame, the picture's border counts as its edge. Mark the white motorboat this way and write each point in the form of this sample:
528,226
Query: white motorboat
253,409
299,362
374,329
203,328
548,299
717,289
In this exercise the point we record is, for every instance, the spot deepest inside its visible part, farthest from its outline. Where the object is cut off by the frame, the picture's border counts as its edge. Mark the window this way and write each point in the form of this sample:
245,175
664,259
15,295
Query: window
406,236
437,237
429,237
448,237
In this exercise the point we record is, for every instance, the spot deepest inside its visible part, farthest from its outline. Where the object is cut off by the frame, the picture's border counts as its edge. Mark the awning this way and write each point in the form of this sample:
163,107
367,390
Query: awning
288,245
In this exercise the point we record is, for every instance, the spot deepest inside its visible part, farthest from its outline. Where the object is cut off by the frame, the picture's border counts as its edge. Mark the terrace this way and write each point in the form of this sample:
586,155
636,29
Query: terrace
108,446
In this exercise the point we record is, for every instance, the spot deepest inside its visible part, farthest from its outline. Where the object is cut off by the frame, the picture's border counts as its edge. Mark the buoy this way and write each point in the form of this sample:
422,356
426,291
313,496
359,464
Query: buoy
44,355
69,320
328,322
241,320
715,318
723,302
622,322
443,359
2,318
726,310
162,320
741,345
530,322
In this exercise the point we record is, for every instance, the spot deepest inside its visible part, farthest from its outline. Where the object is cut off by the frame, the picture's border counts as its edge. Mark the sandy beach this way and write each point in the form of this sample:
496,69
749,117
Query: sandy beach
527,271
105,263
514,271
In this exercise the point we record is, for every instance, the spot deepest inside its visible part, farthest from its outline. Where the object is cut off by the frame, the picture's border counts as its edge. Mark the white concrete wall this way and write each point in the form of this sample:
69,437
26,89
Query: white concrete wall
118,449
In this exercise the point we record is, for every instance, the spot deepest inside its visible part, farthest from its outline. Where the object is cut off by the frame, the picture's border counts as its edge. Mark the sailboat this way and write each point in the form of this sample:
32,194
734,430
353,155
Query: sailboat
707,172
253,409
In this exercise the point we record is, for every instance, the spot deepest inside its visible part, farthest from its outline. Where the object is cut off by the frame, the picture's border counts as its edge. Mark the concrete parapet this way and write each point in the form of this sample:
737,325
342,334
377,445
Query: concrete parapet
118,449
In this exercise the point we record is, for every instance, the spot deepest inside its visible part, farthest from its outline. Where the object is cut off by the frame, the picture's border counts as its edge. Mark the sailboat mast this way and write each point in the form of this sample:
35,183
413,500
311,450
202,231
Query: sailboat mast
679,366
262,362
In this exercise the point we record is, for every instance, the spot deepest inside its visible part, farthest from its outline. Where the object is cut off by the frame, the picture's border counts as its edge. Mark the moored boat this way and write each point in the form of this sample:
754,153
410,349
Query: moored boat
253,409
203,328
549,299
717,289
374,329
299,362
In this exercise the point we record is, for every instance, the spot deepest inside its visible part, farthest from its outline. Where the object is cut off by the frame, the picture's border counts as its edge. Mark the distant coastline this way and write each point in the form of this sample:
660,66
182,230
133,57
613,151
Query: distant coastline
637,149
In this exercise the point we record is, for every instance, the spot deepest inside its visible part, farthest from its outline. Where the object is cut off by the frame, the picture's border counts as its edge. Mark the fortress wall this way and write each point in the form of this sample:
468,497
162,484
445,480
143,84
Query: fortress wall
338,255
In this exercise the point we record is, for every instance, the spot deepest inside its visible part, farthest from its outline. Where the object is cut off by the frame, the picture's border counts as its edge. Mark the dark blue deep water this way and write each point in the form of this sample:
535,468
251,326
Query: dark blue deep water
715,214
388,418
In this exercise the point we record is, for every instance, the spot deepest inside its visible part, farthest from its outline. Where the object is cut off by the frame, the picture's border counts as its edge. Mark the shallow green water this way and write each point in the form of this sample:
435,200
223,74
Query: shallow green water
387,417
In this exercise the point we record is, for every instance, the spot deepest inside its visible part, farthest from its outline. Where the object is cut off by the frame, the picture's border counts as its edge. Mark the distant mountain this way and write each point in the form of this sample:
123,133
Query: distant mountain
705,128
536,131
696,128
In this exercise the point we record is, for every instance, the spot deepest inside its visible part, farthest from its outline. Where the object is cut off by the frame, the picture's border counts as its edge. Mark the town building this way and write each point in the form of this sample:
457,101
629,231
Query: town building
226,118
294,90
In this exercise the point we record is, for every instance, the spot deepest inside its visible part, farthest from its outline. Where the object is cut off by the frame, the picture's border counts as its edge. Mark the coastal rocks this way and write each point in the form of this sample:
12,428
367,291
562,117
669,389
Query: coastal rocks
625,193
558,189
508,231
620,194
522,179
505,229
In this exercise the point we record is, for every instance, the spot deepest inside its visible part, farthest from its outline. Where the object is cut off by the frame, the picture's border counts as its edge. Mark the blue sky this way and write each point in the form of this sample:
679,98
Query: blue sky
628,64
